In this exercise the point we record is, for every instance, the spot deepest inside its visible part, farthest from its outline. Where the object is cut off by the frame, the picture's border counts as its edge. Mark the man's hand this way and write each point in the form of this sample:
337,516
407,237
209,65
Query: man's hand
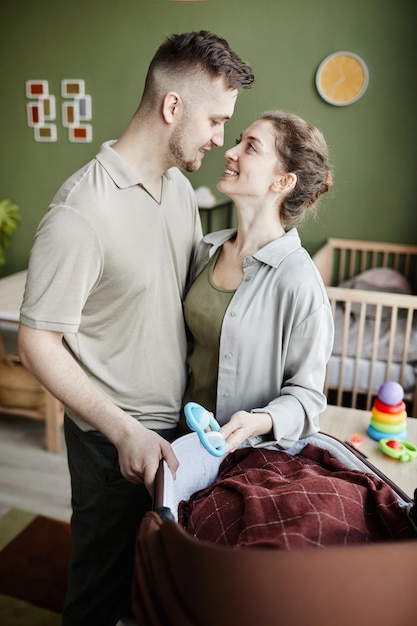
140,454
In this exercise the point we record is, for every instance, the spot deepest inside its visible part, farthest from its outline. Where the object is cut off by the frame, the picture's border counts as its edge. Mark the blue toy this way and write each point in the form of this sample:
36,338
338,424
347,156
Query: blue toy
207,428
378,434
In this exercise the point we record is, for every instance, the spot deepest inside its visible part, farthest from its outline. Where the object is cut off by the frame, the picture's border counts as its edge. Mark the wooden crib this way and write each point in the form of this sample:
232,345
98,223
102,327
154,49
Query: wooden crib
375,327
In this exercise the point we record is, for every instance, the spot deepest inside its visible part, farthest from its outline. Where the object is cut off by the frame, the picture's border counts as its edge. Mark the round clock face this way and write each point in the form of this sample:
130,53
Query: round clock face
342,78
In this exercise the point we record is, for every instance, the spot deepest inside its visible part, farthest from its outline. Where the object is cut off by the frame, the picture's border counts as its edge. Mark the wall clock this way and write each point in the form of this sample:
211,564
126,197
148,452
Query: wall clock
342,78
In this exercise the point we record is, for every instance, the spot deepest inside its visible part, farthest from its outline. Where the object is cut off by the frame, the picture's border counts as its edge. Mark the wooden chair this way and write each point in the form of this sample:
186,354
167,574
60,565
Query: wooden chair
21,394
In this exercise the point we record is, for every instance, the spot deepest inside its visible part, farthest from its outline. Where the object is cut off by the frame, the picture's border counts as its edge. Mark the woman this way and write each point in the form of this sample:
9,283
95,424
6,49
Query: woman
258,312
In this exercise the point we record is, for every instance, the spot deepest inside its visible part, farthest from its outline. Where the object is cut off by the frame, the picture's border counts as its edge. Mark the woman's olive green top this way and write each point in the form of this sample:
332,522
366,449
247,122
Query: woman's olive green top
276,338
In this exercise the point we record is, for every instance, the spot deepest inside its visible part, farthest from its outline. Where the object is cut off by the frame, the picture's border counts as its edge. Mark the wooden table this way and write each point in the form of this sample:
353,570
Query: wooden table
11,296
342,422
49,409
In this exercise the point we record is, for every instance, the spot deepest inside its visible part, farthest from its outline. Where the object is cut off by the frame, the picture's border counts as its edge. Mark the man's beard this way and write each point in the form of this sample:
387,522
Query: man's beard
178,154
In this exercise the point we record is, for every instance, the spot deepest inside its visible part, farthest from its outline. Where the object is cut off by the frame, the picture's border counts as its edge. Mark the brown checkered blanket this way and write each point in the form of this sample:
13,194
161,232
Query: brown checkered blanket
266,498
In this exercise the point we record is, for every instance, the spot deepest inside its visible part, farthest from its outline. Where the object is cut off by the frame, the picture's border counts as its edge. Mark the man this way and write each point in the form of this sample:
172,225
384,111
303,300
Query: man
101,321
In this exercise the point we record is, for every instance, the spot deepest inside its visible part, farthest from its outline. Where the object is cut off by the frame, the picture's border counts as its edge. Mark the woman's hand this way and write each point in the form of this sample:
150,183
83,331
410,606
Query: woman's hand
243,425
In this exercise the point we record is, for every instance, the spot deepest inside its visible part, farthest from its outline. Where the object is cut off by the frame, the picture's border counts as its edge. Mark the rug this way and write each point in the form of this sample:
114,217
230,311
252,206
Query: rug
34,559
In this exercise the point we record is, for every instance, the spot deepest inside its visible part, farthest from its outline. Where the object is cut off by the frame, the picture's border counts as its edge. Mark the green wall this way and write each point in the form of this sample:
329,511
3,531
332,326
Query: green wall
109,44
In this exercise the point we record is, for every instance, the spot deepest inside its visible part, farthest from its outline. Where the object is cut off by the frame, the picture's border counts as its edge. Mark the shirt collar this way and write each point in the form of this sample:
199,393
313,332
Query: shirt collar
116,168
272,254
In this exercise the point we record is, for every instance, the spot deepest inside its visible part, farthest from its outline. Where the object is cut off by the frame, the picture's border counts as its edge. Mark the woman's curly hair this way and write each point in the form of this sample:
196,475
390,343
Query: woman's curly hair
302,150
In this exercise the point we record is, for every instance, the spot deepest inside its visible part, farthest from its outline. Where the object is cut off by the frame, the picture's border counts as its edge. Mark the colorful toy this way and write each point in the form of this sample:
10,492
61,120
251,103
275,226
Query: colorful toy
356,440
203,423
391,393
401,450
389,416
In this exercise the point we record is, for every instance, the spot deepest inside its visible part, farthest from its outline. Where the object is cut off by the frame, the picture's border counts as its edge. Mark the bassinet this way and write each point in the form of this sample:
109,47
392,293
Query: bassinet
182,581
375,330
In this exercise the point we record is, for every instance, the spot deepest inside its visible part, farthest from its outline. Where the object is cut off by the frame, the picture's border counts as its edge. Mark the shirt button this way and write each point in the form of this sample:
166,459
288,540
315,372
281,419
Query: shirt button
247,279
233,313
226,394
228,356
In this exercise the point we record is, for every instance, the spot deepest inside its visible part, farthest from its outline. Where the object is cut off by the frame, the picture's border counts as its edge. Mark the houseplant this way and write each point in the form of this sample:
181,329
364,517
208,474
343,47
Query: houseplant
9,221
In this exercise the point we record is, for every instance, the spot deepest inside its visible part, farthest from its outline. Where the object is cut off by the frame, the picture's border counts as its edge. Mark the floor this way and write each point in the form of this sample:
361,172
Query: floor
31,478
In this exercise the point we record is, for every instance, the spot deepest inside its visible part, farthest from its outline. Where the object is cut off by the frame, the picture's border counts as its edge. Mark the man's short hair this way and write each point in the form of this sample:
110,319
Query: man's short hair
195,54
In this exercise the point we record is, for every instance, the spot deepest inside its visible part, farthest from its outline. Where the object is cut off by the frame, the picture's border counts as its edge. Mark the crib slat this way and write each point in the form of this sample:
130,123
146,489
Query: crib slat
393,328
374,355
359,343
406,344
342,265
345,341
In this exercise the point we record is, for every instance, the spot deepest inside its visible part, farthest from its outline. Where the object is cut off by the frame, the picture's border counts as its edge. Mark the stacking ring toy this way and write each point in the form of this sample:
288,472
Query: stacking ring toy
378,435
401,450
388,418
389,408
388,428
199,420
391,393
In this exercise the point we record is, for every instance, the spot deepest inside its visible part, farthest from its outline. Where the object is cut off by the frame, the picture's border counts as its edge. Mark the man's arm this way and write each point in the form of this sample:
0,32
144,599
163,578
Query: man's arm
140,449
